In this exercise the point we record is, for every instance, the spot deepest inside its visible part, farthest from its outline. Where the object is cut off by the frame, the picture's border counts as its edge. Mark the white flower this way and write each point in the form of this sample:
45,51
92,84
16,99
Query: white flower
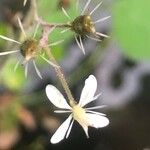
84,116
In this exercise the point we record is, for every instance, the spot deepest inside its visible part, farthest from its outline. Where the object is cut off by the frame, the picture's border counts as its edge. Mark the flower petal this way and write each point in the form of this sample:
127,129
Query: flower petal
97,121
56,97
61,131
85,128
69,130
88,90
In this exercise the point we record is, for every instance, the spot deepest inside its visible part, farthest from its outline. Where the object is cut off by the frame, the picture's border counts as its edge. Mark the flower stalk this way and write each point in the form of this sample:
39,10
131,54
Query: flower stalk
52,59
61,77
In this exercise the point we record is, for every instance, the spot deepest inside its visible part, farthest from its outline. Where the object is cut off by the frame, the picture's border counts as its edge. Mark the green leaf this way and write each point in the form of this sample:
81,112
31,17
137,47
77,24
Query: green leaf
3,31
14,80
131,27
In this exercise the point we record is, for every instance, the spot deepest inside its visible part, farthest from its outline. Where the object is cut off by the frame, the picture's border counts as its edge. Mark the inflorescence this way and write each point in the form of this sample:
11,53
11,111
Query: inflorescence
32,47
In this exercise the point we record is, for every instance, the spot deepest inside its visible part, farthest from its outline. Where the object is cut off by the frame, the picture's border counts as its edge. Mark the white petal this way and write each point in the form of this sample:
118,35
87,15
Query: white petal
61,131
56,97
85,128
97,121
69,130
88,91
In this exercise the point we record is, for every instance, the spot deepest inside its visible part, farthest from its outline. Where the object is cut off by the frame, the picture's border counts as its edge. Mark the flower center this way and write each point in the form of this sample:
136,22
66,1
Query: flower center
83,25
79,115
29,49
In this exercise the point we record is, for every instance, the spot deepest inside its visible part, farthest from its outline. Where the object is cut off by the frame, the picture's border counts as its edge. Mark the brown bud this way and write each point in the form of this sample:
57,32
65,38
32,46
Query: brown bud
29,49
83,25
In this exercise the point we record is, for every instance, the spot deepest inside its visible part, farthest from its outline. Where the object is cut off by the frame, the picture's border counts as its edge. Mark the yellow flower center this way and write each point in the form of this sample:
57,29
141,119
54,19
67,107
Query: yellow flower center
79,115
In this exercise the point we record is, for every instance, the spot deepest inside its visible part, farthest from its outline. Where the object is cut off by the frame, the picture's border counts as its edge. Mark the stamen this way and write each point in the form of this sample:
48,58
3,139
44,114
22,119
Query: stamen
9,52
81,43
85,7
102,19
97,96
16,66
37,70
95,8
56,43
66,14
77,5
95,39
26,70
51,63
77,41
51,29
101,34
65,30
21,27
43,54
36,29
9,39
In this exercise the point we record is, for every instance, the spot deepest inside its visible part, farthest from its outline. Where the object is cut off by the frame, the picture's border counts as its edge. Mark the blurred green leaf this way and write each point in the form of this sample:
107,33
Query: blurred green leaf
9,115
132,27
3,31
14,80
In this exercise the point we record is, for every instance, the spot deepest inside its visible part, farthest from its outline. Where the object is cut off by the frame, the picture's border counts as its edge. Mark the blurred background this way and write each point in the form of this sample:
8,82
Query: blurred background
121,64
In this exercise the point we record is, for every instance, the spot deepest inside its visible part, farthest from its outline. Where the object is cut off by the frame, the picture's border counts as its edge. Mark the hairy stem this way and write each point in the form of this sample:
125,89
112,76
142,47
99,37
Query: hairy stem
58,70
61,77
57,25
